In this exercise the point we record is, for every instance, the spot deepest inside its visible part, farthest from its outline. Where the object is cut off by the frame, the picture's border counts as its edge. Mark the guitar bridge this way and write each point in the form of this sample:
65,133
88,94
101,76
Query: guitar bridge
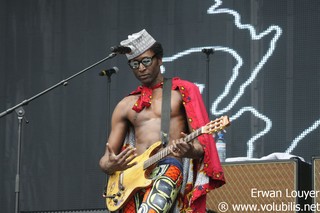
110,196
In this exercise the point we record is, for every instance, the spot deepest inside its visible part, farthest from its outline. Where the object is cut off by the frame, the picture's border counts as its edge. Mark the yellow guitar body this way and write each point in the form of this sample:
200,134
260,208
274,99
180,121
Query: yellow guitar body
122,184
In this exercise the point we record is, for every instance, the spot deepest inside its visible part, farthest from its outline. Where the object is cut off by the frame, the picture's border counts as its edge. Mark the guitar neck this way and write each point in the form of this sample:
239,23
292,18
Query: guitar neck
166,151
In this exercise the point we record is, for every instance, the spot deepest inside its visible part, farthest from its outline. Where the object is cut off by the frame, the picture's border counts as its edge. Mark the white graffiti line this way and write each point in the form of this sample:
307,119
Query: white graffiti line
227,88
304,133
257,69
181,54
268,122
214,10
234,76
254,36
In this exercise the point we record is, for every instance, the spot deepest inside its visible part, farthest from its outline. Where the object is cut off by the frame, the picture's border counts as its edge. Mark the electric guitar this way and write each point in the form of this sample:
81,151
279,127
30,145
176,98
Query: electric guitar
123,184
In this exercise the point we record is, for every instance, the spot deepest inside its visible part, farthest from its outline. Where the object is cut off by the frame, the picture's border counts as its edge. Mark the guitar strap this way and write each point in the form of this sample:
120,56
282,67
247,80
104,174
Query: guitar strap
165,111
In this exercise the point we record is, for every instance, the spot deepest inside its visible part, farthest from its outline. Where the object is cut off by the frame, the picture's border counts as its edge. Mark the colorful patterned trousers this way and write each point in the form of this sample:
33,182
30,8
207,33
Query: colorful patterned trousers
161,195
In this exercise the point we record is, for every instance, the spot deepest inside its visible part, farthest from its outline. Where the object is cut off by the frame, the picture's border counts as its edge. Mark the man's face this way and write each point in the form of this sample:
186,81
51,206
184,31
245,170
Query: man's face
146,68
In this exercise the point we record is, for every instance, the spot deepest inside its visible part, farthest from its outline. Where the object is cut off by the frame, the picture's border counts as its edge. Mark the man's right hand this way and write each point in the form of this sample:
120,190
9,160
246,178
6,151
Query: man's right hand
121,161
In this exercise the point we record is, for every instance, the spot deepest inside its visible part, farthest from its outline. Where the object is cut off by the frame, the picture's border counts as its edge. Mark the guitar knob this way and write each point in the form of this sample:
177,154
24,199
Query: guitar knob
118,194
115,200
121,187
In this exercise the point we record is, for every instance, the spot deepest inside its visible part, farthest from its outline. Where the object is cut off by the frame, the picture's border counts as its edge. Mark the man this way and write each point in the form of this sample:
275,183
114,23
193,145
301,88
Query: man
182,179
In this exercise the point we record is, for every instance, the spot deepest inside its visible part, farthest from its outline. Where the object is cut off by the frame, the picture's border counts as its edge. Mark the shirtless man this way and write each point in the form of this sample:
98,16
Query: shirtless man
145,118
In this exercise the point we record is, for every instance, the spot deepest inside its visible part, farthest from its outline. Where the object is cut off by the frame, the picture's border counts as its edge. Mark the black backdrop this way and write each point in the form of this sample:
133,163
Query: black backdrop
263,74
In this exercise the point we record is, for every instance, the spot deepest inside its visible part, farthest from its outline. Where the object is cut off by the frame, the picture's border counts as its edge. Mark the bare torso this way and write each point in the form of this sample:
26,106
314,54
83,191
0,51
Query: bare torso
147,123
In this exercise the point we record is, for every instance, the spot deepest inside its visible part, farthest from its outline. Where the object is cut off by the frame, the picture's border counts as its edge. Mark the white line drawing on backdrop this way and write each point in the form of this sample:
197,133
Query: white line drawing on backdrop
277,32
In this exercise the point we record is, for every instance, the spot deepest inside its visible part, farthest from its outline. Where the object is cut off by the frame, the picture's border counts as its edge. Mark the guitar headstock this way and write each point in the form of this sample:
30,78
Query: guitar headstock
216,125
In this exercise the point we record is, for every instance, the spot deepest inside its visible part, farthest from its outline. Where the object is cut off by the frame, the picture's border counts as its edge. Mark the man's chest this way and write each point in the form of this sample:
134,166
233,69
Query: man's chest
154,111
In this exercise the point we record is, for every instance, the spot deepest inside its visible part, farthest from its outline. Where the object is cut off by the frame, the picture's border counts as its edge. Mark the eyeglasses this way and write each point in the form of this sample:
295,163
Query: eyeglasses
146,61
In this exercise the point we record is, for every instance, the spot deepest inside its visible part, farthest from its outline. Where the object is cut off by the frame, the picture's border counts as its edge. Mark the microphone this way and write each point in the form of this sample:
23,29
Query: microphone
121,49
208,51
109,72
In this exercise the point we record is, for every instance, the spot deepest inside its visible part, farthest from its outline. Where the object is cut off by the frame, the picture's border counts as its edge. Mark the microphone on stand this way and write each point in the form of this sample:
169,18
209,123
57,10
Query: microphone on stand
121,49
208,51
109,72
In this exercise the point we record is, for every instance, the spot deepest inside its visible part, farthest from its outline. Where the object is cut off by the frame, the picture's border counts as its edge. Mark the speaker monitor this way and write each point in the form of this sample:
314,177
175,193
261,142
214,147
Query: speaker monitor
316,181
262,186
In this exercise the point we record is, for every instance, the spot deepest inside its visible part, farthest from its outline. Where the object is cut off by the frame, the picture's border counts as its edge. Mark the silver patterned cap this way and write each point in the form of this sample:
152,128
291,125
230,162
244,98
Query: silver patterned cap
139,43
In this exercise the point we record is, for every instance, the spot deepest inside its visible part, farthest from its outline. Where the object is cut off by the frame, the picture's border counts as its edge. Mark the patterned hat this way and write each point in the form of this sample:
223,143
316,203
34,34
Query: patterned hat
139,43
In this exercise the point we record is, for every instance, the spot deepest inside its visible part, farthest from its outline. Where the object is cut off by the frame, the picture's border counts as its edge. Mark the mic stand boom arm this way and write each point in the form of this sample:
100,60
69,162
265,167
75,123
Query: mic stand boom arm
63,82
20,112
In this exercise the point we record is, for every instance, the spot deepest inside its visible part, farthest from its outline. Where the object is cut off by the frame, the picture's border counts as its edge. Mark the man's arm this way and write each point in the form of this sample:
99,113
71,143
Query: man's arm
113,159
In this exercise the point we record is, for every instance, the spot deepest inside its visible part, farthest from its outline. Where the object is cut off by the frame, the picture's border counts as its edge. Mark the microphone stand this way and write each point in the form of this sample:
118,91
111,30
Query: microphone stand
108,74
109,105
208,52
20,112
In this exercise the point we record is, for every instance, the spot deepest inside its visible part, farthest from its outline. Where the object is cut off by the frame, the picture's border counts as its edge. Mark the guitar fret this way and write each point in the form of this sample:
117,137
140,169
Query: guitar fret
193,135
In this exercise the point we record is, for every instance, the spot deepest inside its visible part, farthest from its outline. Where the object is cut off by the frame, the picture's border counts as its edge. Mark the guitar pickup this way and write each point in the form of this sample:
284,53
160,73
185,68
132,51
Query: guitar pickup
120,183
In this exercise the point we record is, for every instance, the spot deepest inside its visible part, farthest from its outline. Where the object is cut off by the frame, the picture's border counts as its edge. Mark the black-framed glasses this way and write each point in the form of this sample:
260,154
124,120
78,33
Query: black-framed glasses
146,61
